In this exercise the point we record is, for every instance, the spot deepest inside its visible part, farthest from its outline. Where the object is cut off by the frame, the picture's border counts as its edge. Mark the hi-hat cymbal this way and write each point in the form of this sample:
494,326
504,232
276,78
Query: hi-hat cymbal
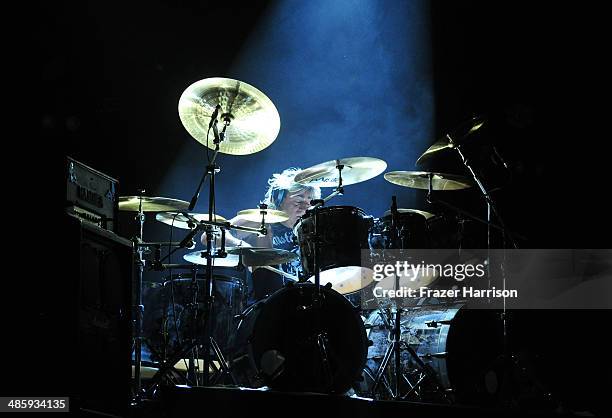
355,170
151,204
420,180
427,215
178,220
272,216
254,122
257,256
195,257
453,138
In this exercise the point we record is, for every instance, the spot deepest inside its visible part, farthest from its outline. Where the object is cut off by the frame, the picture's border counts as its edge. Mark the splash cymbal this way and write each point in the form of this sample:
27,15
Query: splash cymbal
355,170
272,216
453,139
421,180
253,120
151,204
178,220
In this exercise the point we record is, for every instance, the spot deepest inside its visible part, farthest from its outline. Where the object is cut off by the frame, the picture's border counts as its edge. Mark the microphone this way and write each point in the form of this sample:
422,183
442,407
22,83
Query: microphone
213,117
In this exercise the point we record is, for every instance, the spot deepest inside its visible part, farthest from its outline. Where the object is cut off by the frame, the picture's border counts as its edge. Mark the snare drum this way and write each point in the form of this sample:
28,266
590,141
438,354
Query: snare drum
279,344
342,233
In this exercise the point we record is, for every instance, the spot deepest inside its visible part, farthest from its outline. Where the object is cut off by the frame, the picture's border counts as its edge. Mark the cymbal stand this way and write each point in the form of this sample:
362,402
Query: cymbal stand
396,345
208,341
321,337
138,310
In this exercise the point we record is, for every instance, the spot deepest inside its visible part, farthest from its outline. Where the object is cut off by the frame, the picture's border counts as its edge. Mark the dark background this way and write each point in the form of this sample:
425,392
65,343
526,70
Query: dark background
533,68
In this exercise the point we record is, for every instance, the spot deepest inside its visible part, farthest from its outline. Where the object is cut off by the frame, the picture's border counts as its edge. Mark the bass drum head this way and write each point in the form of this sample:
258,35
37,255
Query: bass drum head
280,339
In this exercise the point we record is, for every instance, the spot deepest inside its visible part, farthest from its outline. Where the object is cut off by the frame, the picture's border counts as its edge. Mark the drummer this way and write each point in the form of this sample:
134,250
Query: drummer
283,194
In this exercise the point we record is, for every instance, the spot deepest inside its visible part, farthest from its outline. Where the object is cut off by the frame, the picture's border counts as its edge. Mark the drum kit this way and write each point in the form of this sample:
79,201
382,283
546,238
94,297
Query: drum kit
307,335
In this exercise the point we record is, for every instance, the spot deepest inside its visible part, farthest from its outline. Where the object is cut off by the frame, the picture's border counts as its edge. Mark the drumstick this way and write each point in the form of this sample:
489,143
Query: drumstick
282,273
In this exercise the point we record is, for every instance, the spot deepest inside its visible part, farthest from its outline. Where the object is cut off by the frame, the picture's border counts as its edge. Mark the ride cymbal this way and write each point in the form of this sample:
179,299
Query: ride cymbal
151,204
253,121
421,180
354,170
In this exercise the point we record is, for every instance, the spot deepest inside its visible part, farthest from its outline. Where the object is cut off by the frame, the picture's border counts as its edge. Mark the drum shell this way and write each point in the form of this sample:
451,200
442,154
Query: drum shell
166,310
412,232
343,233
460,345
286,324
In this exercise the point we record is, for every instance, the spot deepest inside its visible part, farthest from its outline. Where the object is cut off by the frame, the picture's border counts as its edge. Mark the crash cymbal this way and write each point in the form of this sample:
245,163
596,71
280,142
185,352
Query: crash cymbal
420,180
195,257
427,215
151,204
453,138
178,220
253,119
272,216
258,256
355,170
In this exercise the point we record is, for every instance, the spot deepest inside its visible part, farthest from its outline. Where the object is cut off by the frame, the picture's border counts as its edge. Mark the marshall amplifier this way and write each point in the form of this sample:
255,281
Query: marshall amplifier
91,195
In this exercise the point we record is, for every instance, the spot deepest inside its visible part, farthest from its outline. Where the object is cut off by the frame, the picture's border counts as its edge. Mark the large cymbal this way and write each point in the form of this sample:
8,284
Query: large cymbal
258,256
272,216
151,204
453,139
178,220
420,180
254,120
355,170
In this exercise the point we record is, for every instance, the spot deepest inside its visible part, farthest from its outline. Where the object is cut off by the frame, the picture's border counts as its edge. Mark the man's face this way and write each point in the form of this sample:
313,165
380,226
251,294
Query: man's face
295,205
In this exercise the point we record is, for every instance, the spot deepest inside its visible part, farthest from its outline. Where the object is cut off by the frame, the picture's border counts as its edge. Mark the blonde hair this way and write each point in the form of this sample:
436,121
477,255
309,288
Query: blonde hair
282,185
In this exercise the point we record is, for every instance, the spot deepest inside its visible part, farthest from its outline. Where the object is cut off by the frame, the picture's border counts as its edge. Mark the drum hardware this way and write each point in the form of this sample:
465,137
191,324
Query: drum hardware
266,215
453,139
329,174
235,101
178,220
260,256
395,348
142,204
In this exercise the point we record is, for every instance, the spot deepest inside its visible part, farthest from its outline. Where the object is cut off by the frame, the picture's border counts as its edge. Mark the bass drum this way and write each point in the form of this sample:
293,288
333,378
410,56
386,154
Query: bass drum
279,345
459,345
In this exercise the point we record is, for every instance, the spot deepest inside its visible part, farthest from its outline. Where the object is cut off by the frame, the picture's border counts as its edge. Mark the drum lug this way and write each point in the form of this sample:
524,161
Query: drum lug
328,285
370,343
